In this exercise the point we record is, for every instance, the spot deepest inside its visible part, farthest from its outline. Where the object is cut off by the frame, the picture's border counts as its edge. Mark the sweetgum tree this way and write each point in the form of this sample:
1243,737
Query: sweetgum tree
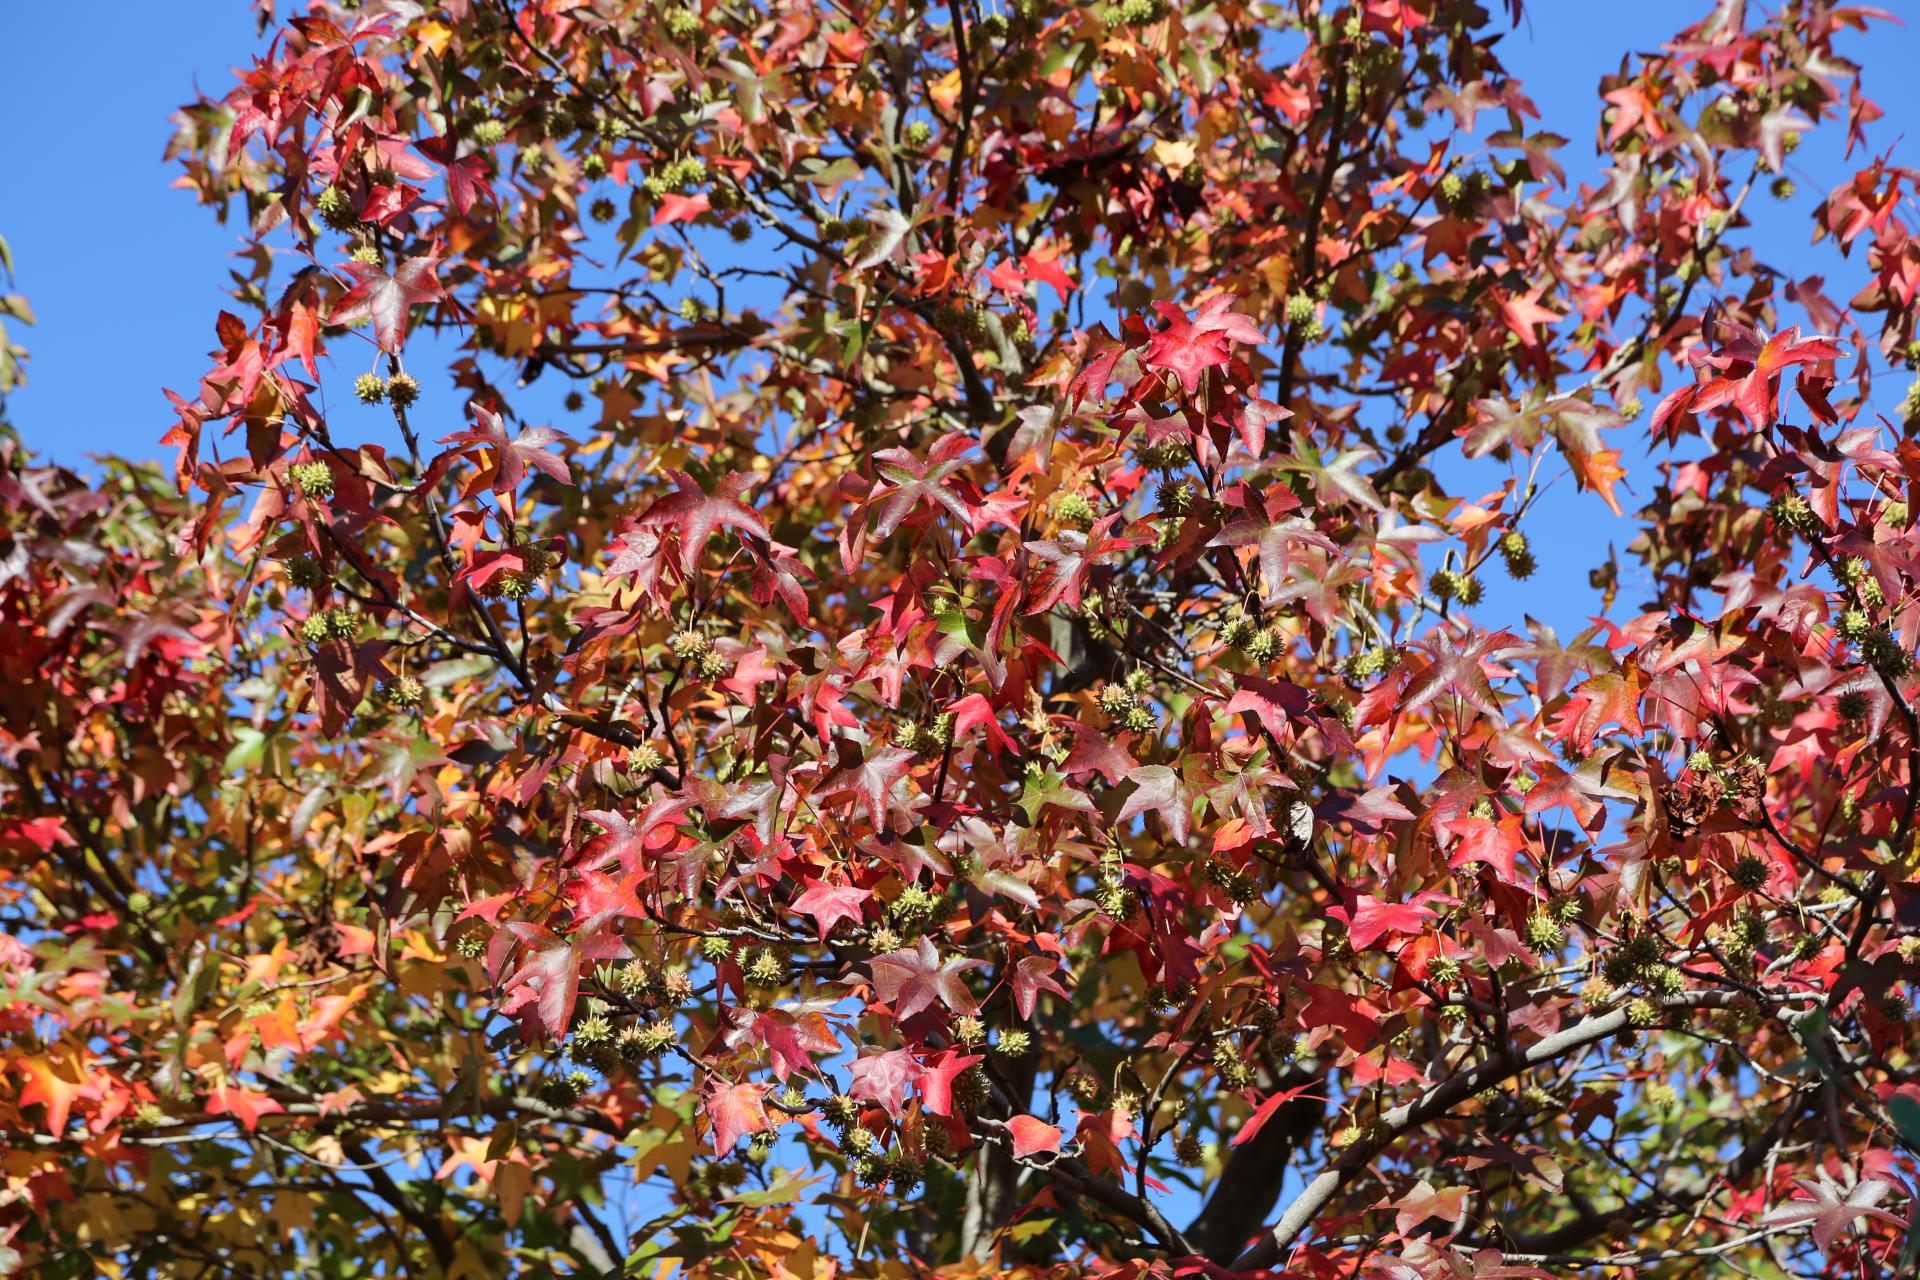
976,744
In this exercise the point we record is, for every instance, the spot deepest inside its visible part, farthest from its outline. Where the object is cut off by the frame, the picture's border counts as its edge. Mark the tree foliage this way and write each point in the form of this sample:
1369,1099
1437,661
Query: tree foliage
976,742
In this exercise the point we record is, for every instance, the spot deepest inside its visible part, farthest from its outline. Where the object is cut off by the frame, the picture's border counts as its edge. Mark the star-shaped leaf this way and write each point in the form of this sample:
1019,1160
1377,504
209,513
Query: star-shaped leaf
387,299
915,978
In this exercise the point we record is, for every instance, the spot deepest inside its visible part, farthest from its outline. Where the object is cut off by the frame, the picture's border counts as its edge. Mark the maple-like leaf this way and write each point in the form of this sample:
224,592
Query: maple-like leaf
736,1110
1370,919
873,779
512,455
1424,1203
1158,789
1460,670
1264,1112
247,1105
829,904
1069,559
53,1087
1032,1136
1031,976
387,299
626,839
546,984
914,978
913,481
1832,1209
466,170
884,1078
937,1077
1187,348
695,514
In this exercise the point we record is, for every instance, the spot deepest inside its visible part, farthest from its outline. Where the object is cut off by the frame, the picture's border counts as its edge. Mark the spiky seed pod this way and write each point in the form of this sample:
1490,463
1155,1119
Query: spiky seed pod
604,1058
1598,993
1661,1096
919,133
490,133
1791,512
1187,1149
472,945
714,949
969,1030
1749,871
404,693
1518,555
971,1088
335,209
312,479
644,758
1074,510
1545,933
1443,972
1013,1044
1470,589
1643,1013
914,906
1139,720
1446,584
766,969
1851,705
403,389
688,645
370,388
1263,644
1854,625
1885,654
366,255
658,1036
1365,665
1175,497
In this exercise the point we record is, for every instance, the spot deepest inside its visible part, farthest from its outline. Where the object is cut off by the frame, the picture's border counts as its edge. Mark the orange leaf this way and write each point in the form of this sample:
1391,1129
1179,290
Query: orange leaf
231,1100
51,1088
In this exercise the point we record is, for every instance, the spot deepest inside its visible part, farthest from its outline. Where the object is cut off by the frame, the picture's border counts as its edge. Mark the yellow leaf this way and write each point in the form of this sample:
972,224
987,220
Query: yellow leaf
1174,155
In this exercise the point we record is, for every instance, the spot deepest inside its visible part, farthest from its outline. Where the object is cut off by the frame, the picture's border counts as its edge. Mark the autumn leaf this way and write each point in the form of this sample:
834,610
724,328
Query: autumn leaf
884,1078
829,904
512,455
695,515
916,978
1032,1136
388,299
736,1110
247,1105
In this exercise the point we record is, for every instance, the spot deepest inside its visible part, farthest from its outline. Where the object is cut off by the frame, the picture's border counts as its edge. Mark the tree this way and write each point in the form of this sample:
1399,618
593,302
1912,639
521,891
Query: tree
980,745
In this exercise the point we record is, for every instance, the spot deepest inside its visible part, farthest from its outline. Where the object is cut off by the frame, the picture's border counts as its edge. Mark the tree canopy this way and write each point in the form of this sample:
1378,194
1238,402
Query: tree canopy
815,638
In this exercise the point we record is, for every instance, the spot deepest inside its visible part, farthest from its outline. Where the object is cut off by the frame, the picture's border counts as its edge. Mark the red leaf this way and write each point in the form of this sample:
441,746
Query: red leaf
386,299
1264,1112
1032,1135
695,514
884,1078
736,1110
829,904
1031,976
915,978
512,455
